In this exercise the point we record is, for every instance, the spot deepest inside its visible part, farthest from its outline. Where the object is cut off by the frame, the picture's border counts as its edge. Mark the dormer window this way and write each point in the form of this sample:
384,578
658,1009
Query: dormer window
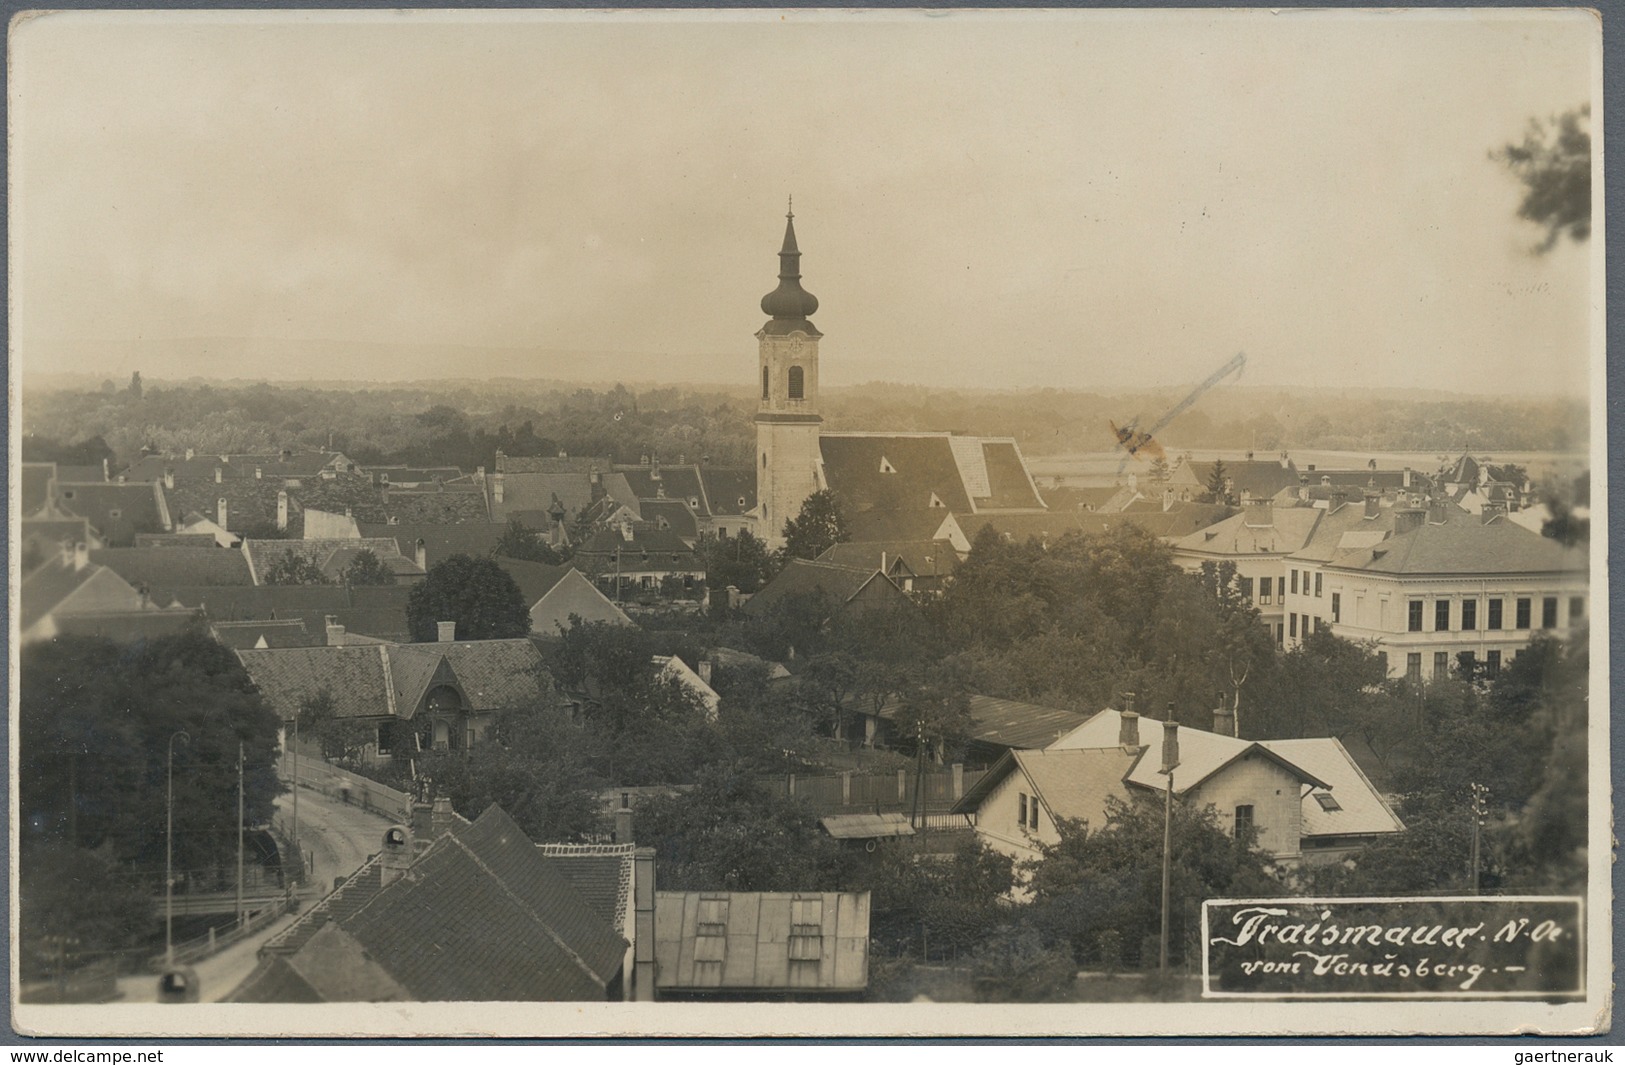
886,466
1326,801
936,502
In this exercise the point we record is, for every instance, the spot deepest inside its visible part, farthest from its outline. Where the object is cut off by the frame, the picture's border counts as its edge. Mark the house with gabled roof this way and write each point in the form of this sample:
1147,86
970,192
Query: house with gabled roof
416,695
639,557
506,924
555,594
116,511
995,727
69,586
846,588
913,565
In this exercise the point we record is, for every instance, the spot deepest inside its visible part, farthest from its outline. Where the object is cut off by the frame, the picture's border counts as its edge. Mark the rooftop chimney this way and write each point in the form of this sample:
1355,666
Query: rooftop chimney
421,555
496,488
447,631
219,475
1128,730
422,821
623,825
335,632
81,555
1437,514
259,473
1335,501
1170,745
220,511
397,854
1407,480
705,670
190,454
1408,519
1224,720
169,478
442,817
1372,504
282,510
1492,510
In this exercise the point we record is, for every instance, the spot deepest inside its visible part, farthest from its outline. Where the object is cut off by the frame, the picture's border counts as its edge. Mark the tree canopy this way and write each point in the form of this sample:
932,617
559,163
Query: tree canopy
476,593
1553,163
817,527
366,568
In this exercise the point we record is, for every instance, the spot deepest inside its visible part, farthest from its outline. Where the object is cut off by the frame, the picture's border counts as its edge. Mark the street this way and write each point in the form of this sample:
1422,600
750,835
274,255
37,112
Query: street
338,838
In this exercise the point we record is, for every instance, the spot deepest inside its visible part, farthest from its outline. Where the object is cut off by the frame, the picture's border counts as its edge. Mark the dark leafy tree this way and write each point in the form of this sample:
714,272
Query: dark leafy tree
77,906
1553,163
135,384
366,569
532,765
520,541
1102,878
816,528
91,451
294,567
1217,489
740,561
729,832
1019,966
476,593
96,722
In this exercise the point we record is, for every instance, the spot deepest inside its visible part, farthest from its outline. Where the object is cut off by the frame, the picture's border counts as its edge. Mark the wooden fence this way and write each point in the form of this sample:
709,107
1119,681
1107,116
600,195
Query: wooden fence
852,792
341,784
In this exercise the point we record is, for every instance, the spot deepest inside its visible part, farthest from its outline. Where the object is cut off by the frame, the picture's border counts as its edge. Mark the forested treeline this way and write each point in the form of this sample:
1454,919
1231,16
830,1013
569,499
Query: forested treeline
465,423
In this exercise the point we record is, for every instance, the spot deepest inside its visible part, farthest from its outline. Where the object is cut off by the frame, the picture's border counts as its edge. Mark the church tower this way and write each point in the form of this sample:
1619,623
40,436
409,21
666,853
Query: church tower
787,420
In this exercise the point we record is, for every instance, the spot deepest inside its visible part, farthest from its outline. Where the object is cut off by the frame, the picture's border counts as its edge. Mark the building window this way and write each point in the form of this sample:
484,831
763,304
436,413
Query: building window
1548,612
1441,615
1317,585
1266,590
1337,607
1327,802
1441,665
797,382
1292,621
1280,634
1318,624
1492,662
1577,609
764,382
1244,585
1469,615
1494,620
386,736
1523,614
1467,664
1021,810
1413,667
1244,820
1294,582
1032,814
1414,622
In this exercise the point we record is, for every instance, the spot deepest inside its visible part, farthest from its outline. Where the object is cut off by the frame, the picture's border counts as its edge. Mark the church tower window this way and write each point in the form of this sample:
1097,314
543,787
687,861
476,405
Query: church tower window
764,382
798,383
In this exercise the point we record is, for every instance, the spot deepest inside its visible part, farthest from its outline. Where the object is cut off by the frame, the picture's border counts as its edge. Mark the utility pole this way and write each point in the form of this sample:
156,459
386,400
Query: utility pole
297,850
239,832
1170,761
169,850
1480,809
919,771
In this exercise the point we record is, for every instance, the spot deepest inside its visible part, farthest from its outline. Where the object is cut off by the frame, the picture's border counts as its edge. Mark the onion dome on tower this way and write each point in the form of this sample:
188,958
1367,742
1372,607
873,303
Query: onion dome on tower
790,304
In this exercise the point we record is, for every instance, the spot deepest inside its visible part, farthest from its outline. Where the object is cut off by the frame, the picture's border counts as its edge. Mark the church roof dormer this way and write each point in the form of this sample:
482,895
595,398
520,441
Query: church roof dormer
790,304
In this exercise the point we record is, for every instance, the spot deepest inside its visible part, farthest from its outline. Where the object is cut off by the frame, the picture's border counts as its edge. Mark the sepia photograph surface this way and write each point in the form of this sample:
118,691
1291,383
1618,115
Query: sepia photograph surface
538,524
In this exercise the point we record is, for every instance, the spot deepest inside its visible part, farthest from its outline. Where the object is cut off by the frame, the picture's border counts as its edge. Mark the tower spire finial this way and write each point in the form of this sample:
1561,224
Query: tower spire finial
790,207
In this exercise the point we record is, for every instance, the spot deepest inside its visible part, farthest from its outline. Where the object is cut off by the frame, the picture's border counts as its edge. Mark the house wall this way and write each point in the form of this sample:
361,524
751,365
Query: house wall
1273,794
1377,607
997,824
1271,611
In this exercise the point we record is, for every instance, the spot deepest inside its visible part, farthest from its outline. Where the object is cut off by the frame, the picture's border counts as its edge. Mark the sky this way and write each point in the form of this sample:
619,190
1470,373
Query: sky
1081,200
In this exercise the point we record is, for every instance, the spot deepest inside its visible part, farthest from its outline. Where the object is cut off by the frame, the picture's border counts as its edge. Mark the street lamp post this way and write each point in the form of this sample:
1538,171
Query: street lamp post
169,849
